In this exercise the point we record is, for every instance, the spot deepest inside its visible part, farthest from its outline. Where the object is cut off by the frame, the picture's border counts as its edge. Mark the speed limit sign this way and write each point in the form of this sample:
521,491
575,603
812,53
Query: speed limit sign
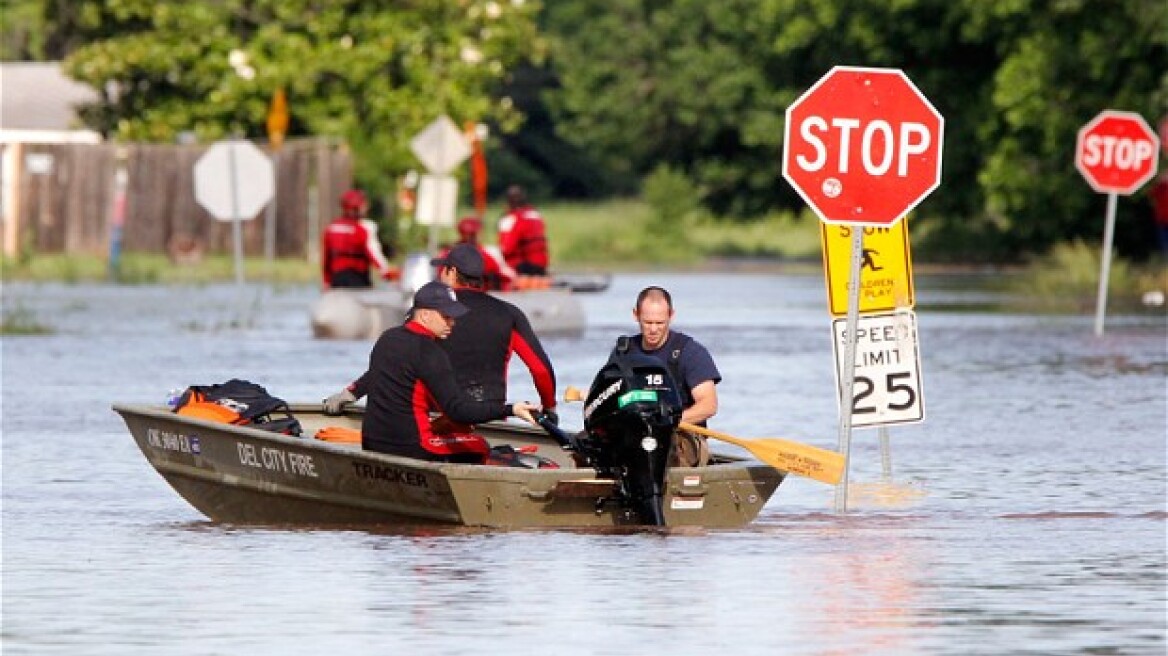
887,385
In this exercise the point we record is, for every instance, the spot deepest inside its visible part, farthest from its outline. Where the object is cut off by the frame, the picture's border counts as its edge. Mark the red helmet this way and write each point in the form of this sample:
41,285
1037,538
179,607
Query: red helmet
353,199
469,226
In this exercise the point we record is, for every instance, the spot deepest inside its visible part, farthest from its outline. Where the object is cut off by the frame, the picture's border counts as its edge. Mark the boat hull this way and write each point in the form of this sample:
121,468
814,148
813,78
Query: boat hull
244,475
365,314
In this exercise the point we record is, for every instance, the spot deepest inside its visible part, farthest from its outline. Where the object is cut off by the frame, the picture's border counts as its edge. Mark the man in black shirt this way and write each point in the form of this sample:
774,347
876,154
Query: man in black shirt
409,376
481,346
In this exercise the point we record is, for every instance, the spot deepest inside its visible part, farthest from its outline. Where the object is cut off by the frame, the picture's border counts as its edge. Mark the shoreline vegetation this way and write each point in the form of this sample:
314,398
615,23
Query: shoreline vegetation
629,236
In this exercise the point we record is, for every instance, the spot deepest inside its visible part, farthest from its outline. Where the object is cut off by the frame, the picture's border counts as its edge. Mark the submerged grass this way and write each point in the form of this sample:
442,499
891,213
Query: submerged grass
625,235
150,268
1067,280
19,320
608,235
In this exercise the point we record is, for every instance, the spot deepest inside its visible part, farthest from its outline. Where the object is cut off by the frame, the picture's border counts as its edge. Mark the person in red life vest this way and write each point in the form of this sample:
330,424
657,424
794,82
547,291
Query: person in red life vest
521,236
495,276
481,346
351,246
410,376
1159,195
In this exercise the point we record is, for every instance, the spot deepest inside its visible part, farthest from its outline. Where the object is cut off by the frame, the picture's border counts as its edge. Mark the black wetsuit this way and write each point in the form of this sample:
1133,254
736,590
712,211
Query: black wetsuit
409,375
481,344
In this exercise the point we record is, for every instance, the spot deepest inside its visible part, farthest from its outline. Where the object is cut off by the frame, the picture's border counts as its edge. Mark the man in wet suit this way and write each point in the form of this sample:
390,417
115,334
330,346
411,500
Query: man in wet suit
481,346
410,376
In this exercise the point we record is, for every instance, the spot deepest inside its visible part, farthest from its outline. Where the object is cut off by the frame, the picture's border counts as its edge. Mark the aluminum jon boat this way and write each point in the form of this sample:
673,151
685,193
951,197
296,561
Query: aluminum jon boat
240,474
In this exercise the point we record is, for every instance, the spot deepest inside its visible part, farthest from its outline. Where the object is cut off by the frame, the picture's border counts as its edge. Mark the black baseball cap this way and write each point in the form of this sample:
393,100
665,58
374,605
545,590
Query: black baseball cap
464,257
438,296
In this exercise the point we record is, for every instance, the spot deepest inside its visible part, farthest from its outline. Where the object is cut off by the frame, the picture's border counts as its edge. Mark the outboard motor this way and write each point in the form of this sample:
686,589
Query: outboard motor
630,414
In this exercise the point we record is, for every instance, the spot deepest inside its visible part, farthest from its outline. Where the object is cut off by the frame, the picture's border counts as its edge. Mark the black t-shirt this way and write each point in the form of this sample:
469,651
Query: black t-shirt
408,376
694,364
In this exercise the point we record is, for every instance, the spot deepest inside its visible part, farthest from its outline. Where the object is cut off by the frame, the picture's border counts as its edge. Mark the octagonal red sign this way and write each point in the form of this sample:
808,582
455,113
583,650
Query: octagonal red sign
1117,152
863,146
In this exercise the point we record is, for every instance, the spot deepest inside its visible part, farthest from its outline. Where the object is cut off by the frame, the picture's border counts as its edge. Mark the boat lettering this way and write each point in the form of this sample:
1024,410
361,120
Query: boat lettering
274,459
602,397
389,474
162,439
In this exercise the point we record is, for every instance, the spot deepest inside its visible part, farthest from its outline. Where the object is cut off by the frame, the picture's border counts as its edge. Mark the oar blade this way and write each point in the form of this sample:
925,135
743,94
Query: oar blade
815,463
790,456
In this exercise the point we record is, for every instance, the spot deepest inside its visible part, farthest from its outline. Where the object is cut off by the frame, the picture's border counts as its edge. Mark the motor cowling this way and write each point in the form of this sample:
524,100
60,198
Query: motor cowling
630,414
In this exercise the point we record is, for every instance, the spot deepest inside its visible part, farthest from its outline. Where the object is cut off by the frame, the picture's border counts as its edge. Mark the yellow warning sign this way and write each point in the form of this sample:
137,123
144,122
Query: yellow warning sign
885,271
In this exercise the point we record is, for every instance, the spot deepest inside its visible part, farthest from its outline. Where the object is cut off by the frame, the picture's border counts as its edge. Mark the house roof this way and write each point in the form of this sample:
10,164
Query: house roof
38,96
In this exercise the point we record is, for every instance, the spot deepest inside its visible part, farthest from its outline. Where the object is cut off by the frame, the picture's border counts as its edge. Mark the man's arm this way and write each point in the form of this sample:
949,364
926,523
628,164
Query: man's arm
705,405
525,343
373,247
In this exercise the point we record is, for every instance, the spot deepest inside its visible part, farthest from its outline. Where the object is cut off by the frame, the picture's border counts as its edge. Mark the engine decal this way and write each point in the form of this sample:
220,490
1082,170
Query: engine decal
635,396
602,397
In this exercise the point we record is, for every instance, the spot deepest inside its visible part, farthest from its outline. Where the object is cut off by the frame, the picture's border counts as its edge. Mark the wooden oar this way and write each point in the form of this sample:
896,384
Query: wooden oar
786,455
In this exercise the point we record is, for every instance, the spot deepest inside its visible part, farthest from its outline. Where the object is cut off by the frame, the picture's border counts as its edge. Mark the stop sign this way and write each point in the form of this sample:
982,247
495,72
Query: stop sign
863,146
1116,152
234,180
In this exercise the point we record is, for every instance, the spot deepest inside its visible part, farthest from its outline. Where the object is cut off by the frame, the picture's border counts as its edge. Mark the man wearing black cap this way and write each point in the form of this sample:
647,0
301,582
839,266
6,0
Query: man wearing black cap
409,376
482,345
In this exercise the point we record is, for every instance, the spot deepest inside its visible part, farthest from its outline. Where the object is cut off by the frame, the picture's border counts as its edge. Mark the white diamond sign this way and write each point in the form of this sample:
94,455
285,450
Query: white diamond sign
234,180
441,146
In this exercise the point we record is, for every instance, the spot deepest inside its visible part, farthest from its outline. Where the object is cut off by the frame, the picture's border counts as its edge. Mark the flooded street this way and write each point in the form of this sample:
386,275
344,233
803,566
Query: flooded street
1026,515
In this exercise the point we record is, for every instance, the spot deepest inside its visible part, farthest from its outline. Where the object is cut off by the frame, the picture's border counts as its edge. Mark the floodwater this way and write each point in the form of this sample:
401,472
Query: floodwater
1025,515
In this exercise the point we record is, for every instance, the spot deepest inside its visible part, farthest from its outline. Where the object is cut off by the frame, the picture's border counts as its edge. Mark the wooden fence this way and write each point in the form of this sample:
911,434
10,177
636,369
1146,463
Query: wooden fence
64,199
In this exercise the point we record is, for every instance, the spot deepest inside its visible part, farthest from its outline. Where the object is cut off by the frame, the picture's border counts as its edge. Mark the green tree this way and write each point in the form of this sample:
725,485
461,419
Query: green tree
371,74
22,30
703,87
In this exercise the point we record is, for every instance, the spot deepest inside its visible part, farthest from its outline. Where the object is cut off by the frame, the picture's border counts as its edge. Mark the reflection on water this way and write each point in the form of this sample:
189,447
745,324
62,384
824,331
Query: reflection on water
884,495
1025,515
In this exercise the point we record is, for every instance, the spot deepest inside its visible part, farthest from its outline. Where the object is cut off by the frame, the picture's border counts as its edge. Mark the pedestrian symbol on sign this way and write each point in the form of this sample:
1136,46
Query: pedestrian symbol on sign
869,262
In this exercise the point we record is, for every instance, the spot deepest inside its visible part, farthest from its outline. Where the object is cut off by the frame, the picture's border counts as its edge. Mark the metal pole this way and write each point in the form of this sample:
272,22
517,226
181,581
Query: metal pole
237,222
1105,267
270,217
885,454
847,381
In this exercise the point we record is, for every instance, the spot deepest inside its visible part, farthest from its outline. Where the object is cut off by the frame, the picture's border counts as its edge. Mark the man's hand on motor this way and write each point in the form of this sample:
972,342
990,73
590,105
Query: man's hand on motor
552,416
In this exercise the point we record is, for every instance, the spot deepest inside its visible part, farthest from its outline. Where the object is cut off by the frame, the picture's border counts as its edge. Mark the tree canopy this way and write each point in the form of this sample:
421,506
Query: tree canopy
371,74
616,89
703,87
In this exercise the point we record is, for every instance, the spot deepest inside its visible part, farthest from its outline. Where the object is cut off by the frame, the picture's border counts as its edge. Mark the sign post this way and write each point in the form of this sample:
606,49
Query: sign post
441,147
1117,153
862,147
277,128
233,182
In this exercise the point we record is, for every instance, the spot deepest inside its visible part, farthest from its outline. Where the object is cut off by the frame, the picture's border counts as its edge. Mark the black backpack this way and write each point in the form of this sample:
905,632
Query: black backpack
239,402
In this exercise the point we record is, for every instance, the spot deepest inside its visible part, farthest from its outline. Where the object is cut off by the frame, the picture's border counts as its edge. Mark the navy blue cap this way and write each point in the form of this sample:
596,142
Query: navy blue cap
438,296
466,258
